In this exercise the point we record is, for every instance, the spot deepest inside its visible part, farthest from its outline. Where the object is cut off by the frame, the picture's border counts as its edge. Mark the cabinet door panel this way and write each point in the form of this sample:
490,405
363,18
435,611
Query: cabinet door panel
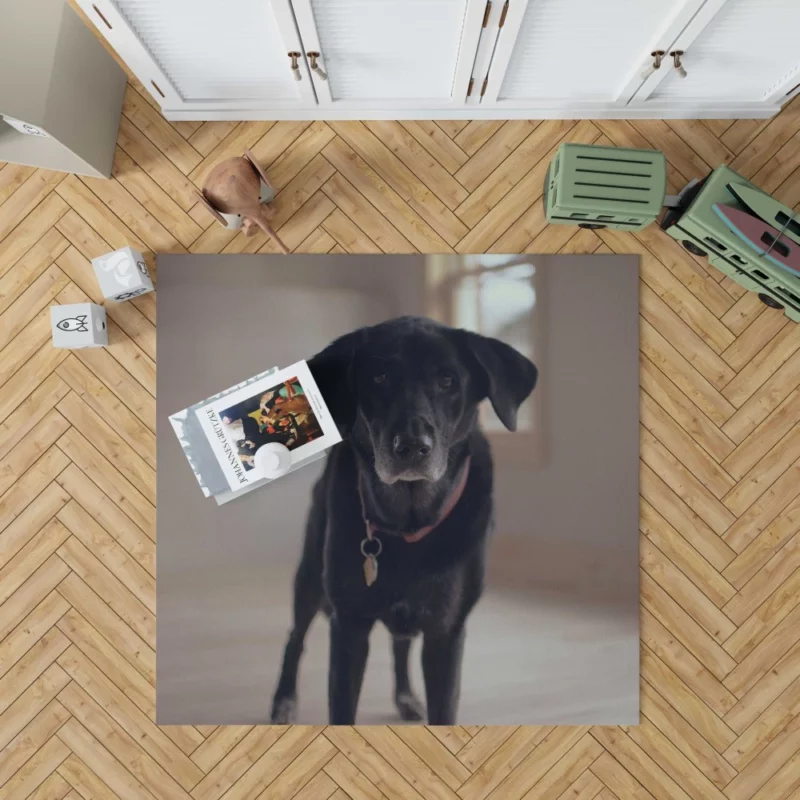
580,51
208,53
748,51
379,52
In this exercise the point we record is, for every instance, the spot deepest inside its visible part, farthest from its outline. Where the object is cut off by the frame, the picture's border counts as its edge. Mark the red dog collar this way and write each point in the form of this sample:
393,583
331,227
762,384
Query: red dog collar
452,501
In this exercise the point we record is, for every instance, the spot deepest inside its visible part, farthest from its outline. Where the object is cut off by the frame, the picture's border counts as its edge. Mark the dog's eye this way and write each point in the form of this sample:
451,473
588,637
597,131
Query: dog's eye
380,377
446,381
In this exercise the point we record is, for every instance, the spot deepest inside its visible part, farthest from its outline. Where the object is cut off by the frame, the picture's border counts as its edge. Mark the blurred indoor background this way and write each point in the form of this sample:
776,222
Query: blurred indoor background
555,637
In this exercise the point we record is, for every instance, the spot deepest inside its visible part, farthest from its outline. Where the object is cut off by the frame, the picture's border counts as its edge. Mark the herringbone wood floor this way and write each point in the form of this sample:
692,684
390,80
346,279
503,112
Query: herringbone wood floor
720,463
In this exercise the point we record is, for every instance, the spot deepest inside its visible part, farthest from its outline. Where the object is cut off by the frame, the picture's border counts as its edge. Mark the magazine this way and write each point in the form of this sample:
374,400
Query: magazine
283,406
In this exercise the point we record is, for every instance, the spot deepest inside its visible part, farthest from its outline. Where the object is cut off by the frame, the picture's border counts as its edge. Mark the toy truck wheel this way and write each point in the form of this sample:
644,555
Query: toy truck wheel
693,248
769,301
592,226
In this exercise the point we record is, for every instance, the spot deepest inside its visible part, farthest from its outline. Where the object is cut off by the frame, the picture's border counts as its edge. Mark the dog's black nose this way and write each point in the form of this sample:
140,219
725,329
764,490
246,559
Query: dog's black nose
412,448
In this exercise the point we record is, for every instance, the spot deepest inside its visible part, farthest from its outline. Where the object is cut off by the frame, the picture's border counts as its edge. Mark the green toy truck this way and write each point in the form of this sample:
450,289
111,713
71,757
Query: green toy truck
701,231
605,187
608,187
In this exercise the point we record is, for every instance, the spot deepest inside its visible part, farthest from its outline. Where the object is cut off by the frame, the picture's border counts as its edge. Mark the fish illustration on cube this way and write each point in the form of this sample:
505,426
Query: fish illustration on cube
74,324
78,325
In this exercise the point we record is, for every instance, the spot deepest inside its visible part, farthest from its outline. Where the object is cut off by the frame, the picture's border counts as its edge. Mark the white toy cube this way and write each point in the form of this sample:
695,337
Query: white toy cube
79,325
122,274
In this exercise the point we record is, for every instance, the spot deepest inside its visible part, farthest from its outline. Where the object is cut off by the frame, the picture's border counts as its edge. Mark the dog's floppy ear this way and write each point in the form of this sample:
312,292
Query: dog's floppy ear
332,369
505,375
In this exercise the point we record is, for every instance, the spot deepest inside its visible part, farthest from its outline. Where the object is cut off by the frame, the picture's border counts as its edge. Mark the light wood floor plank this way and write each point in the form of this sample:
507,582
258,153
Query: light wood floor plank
764,400
497,214
503,762
225,773
36,770
101,764
426,168
111,499
160,132
353,205
30,485
127,569
758,598
84,782
437,143
31,666
120,599
347,235
686,702
301,770
402,181
123,747
277,140
144,153
138,470
31,738
30,267
474,134
618,781
30,231
32,592
105,222
12,176
388,202
150,738
109,625
272,763
208,135
679,733
299,153
144,189
350,780
766,435
669,613
649,774
30,630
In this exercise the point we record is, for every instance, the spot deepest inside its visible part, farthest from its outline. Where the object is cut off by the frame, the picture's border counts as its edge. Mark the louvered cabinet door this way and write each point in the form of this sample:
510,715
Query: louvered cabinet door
389,54
578,54
206,55
746,51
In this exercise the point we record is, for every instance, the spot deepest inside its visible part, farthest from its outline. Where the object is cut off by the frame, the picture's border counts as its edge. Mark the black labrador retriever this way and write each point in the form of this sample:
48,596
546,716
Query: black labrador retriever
398,521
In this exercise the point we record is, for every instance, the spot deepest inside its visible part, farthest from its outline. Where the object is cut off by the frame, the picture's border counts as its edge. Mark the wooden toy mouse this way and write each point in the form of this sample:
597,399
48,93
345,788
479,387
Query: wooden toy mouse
237,192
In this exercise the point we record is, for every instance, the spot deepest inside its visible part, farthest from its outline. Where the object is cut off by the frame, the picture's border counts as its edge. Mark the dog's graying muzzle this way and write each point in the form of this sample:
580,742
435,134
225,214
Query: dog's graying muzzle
413,441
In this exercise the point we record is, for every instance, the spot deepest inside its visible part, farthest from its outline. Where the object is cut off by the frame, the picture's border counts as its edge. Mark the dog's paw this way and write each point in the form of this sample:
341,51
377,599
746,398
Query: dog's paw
284,710
410,708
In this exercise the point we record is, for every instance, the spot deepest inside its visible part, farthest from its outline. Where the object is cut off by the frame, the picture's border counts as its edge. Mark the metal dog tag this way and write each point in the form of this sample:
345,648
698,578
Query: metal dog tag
371,559
370,570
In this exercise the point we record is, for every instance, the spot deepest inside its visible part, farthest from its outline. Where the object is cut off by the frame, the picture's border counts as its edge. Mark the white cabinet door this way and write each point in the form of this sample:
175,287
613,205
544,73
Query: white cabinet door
194,55
576,54
390,53
736,51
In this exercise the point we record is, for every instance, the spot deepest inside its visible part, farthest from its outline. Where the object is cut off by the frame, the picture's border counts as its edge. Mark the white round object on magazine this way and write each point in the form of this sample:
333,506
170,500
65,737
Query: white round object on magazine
273,460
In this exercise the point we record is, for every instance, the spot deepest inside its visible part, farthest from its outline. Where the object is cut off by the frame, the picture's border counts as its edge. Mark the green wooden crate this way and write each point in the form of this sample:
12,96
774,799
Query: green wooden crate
605,187
700,230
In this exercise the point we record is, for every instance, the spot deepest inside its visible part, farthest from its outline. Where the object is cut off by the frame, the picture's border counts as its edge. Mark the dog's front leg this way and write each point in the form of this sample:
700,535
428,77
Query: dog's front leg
441,668
348,657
